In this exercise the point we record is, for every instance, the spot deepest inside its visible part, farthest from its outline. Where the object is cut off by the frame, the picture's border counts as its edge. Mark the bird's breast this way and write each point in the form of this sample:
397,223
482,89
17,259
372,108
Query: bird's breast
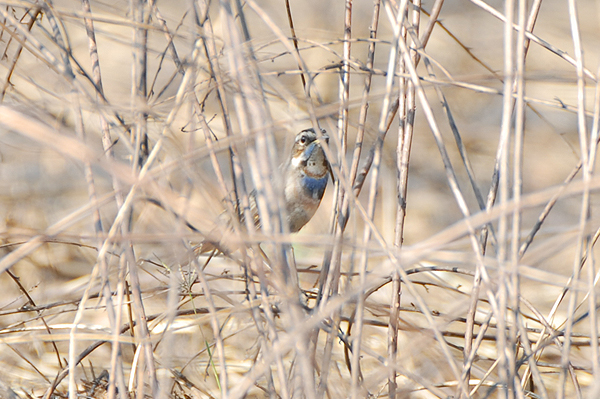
303,195
314,187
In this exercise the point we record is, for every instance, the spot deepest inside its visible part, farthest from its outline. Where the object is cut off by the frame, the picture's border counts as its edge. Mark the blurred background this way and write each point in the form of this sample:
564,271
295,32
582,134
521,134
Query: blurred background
121,127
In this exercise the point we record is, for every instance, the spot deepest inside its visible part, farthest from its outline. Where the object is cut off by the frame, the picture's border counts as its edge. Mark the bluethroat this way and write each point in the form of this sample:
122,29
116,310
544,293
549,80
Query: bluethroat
305,179
306,176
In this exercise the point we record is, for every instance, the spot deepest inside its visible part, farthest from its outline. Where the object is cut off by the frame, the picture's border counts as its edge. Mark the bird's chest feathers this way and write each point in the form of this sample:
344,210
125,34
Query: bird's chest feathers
314,187
303,195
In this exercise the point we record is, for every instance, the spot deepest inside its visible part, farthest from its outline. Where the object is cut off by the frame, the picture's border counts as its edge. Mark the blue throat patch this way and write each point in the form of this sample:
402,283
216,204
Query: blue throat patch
314,187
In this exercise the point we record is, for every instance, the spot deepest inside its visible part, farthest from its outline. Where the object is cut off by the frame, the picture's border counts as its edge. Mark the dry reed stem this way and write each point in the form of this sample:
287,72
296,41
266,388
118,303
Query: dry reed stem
129,188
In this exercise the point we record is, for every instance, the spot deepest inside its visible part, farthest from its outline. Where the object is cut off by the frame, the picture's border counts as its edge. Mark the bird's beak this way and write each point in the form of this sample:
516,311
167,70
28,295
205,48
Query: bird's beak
309,150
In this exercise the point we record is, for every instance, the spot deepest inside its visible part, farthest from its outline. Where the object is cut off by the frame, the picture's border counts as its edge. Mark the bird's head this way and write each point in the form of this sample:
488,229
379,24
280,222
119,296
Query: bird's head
307,152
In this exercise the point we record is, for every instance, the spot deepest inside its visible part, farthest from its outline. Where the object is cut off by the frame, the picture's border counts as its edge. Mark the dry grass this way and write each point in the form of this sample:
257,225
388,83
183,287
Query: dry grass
128,130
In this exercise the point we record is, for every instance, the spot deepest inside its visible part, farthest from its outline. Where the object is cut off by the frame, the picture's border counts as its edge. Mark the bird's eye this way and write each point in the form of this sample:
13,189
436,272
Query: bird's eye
303,140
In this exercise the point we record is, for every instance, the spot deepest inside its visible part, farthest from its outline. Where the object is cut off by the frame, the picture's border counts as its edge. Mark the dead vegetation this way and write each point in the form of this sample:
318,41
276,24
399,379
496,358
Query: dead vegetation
453,255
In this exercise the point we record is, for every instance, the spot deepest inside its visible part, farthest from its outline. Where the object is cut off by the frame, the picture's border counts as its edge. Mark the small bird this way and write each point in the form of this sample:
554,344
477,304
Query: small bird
305,178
